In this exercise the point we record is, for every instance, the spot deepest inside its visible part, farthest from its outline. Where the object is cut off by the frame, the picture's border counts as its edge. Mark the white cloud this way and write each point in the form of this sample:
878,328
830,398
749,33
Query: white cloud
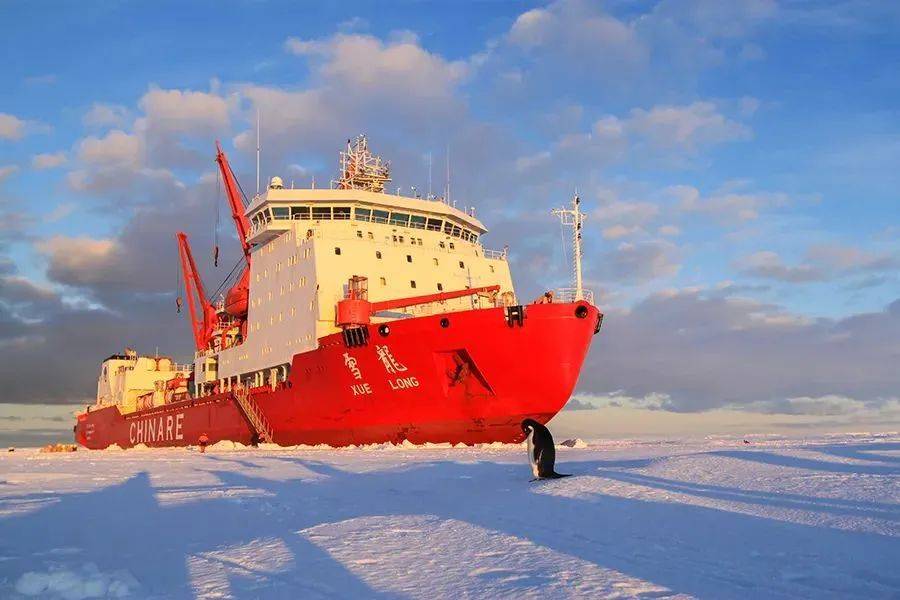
638,262
103,115
714,19
827,405
116,148
619,399
768,265
48,161
184,111
365,63
669,230
11,127
686,127
8,171
579,32
353,24
726,205
615,232
79,260
822,262
849,259
711,351
358,83
626,212
666,132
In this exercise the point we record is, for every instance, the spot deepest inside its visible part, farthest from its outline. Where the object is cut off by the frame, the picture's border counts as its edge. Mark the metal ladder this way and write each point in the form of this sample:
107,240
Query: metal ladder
253,413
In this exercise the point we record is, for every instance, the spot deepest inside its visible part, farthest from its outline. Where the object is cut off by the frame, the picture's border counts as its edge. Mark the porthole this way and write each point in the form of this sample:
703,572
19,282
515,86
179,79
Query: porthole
384,330
445,322
582,311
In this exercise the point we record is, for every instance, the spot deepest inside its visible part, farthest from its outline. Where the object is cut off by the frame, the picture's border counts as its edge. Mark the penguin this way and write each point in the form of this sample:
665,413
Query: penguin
541,452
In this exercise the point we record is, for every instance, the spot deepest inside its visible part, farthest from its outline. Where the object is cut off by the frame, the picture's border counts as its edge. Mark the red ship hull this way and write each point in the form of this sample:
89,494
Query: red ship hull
468,377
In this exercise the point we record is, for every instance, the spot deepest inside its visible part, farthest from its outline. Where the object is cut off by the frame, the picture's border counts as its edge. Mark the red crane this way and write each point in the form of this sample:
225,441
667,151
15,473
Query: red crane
232,190
237,298
203,314
356,310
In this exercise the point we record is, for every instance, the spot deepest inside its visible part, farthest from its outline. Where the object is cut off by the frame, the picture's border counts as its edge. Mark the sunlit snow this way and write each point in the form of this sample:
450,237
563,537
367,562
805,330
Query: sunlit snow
717,518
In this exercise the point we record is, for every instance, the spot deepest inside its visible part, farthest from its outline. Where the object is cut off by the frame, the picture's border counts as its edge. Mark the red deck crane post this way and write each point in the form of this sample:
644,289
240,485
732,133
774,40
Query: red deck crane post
203,314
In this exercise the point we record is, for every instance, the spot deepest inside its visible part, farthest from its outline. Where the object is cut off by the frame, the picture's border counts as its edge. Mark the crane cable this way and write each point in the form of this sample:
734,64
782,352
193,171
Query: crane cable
216,231
178,287
229,278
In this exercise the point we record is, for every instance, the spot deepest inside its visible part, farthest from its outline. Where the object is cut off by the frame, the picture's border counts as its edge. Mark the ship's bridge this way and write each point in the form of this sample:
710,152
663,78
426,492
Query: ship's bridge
275,212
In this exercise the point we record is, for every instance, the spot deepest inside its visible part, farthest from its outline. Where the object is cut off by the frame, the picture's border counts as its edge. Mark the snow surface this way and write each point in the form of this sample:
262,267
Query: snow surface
716,518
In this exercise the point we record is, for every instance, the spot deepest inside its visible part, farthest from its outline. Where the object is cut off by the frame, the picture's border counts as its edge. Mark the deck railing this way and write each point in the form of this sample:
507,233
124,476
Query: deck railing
571,295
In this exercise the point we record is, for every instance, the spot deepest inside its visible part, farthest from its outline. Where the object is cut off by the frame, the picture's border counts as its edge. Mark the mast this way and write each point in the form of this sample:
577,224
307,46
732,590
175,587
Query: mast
575,218
257,152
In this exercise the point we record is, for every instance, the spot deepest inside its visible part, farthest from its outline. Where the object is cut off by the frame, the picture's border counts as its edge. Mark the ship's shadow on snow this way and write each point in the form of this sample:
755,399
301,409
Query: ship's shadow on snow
181,549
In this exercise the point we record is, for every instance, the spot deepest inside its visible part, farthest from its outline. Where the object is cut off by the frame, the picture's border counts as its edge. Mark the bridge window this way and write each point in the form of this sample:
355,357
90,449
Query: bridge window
380,216
321,212
434,224
342,213
300,212
399,219
363,214
417,222
281,212
448,227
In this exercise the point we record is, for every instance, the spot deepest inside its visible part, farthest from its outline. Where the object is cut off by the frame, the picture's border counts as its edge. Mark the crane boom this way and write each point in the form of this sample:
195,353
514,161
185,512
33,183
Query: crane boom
203,314
232,190
428,298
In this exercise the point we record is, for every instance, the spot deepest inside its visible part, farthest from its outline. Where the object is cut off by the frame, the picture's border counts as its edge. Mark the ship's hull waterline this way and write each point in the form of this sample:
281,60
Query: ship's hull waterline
466,377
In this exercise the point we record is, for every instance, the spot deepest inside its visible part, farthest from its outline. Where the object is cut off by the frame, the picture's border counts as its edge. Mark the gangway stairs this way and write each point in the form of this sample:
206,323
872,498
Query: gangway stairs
253,413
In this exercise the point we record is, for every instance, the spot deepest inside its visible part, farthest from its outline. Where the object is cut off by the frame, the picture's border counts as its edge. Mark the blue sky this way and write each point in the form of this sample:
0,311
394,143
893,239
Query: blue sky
739,162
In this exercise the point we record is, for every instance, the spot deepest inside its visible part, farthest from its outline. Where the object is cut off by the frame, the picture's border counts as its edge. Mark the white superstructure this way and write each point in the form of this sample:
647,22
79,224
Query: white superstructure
307,244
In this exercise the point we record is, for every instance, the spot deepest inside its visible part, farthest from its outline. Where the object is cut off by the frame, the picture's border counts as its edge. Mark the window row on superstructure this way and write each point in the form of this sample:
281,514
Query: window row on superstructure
368,215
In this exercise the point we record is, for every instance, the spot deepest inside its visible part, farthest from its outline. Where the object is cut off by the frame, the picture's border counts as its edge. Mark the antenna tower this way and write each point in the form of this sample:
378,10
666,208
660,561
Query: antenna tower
360,169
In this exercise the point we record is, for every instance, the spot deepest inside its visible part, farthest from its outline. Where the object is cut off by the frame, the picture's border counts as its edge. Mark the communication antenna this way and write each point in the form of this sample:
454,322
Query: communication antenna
429,175
575,218
447,194
257,151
